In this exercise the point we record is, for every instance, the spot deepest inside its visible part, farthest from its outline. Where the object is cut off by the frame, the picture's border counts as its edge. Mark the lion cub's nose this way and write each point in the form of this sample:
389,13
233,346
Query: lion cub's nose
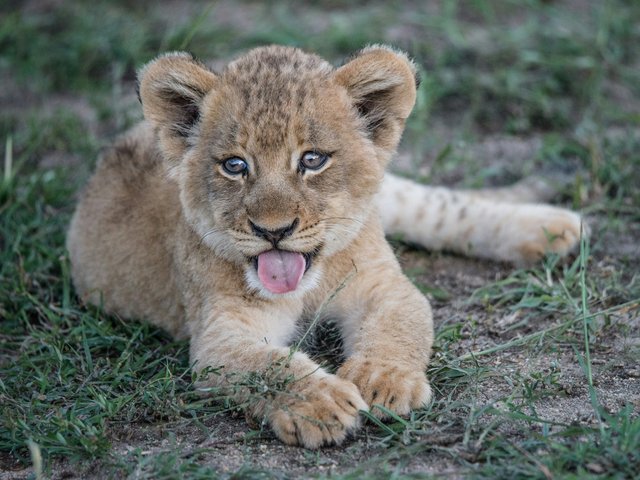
274,236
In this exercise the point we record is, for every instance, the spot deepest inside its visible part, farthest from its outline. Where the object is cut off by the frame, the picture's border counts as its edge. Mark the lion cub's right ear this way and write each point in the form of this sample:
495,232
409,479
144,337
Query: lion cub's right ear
172,88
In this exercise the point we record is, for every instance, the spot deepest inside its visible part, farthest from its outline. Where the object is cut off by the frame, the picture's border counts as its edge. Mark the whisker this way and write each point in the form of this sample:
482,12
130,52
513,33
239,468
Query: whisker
353,219
210,232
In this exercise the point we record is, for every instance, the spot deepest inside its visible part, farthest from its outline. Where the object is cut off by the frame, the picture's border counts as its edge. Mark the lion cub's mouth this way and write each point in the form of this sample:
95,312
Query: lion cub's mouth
280,271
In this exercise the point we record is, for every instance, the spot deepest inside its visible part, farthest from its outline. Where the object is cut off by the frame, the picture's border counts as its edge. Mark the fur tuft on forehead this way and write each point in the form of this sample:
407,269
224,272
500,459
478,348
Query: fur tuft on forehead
279,60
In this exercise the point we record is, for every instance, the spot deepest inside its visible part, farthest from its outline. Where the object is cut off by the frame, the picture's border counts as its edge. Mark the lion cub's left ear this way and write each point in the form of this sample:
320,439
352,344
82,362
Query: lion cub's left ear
172,89
382,85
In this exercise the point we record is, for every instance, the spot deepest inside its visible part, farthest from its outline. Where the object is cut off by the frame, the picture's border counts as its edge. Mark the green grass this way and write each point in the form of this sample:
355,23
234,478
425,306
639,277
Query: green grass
73,380
70,374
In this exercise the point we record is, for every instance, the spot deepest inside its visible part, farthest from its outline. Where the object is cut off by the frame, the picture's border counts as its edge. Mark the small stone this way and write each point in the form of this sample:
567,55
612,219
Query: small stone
595,467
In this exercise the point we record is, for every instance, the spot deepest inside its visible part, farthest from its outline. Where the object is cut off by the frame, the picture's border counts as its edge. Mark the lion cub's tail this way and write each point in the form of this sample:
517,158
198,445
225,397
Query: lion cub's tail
501,224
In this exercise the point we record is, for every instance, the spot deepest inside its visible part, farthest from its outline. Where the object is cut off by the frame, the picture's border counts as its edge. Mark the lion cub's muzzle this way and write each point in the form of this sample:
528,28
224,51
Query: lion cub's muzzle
280,271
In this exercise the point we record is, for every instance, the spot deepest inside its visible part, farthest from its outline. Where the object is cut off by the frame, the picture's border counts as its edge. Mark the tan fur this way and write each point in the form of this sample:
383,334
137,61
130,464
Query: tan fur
502,224
162,231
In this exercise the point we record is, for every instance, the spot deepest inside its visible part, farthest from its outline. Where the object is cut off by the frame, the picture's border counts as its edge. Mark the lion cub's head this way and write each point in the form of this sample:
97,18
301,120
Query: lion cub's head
279,155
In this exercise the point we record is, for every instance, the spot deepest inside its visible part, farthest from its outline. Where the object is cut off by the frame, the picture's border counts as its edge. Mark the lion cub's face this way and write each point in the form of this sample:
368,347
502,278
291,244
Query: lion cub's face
278,157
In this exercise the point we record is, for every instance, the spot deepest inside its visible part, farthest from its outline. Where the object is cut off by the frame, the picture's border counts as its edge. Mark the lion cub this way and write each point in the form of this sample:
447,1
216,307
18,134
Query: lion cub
256,196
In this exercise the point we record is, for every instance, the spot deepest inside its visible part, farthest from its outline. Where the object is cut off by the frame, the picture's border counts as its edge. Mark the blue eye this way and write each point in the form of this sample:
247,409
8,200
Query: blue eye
235,166
313,160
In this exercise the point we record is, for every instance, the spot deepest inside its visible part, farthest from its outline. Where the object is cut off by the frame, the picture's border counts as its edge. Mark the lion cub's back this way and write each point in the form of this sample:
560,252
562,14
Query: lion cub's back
122,235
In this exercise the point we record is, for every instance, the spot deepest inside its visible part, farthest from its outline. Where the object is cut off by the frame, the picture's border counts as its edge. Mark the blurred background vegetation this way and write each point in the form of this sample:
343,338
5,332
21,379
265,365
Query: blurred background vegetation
488,67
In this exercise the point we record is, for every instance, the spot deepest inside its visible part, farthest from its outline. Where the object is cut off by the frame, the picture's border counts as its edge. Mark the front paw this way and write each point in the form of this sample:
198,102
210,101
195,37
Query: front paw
395,386
318,410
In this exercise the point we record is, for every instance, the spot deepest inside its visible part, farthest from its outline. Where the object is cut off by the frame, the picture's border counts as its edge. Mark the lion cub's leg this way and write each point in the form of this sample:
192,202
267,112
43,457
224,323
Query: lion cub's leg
387,332
487,223
302,403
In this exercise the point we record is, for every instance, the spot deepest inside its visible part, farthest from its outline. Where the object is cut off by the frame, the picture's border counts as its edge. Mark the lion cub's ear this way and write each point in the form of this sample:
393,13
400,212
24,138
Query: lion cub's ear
172,88
382,85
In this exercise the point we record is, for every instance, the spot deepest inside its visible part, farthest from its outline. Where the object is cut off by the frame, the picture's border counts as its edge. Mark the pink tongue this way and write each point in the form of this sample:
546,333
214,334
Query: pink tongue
280,271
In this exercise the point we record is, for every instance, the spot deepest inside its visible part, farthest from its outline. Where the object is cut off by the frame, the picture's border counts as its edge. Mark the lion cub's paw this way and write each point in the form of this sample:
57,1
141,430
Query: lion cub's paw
318,410
548,230
396,387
